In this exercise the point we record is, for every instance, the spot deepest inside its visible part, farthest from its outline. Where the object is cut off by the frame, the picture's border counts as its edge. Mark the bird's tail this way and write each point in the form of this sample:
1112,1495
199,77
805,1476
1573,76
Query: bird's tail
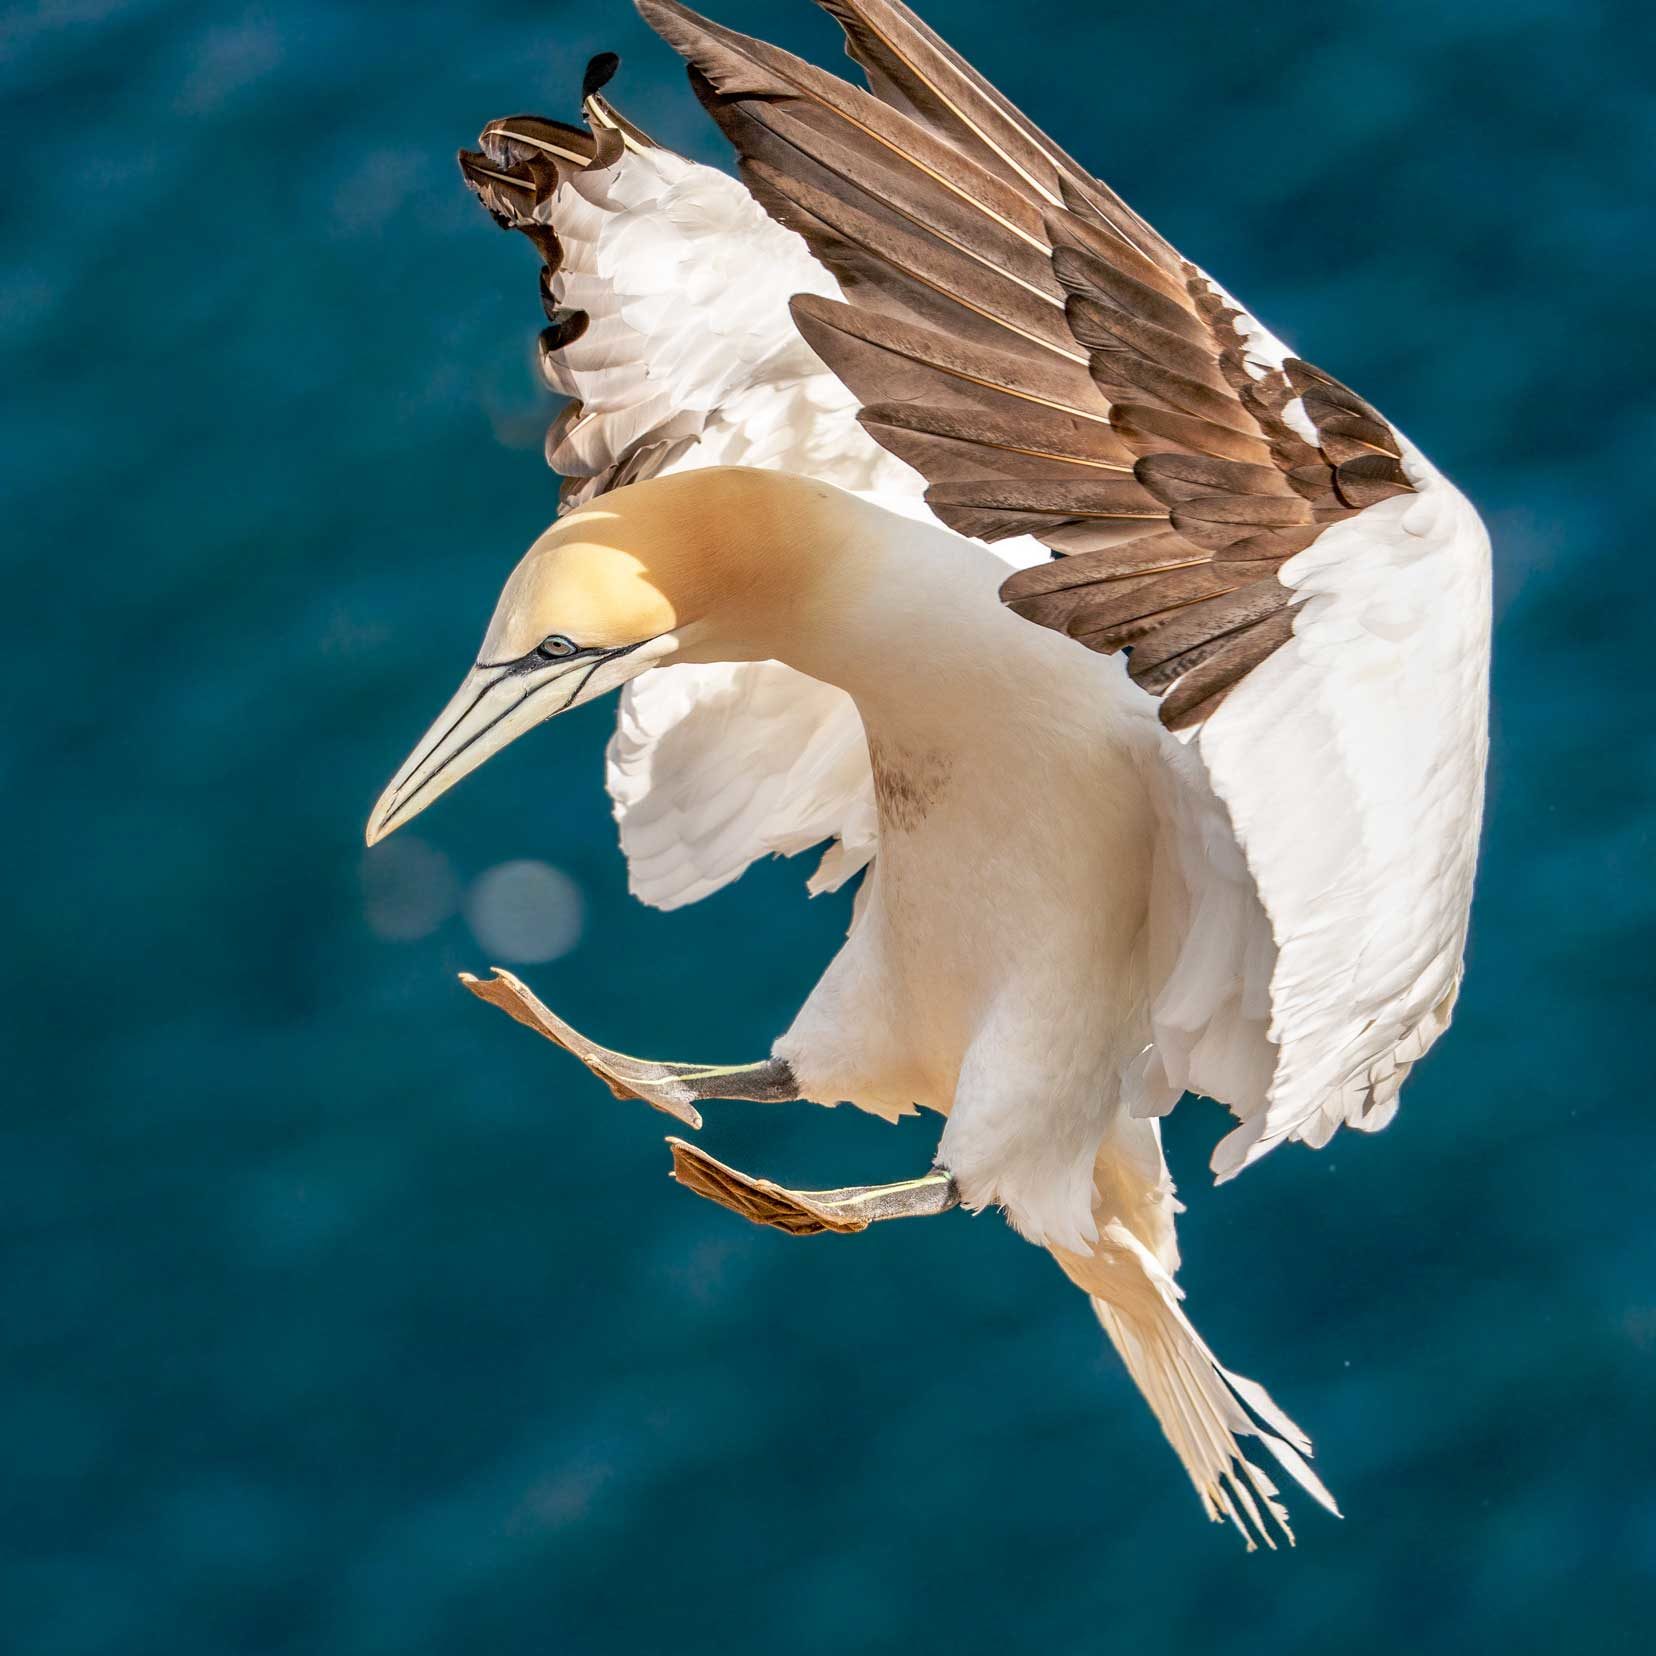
1204,1409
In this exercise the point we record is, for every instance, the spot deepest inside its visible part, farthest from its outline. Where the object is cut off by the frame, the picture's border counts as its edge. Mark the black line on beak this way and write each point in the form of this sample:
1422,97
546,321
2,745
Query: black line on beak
457,719
512,669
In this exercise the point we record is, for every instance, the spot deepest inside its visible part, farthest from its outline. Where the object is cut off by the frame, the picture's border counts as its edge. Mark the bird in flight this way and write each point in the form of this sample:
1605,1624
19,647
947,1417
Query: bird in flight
922,501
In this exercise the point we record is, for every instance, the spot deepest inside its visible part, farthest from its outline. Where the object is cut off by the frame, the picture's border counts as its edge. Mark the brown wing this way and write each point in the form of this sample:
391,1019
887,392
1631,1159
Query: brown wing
1045,360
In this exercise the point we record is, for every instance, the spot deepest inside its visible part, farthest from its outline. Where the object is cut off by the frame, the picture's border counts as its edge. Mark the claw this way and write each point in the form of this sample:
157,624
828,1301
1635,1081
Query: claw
810,1212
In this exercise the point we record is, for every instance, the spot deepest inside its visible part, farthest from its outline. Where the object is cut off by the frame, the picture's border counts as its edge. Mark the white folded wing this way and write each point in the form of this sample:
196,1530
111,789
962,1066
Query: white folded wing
712,767
1321,835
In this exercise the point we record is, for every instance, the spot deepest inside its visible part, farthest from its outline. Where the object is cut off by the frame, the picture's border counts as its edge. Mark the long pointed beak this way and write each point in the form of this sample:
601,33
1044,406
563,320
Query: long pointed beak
492,707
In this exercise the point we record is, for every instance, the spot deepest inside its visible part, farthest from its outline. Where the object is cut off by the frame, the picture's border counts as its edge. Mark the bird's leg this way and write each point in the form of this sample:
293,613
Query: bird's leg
811,1212
678,1088
675,1089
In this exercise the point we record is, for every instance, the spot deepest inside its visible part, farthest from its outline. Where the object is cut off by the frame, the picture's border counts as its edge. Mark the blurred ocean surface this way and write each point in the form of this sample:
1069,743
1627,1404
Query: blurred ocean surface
341,1316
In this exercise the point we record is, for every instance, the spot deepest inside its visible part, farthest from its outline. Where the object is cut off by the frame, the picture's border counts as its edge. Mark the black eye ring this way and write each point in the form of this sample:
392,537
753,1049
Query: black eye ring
557,648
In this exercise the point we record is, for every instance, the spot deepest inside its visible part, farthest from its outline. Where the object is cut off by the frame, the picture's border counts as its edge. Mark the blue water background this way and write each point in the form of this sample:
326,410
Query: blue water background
341,1316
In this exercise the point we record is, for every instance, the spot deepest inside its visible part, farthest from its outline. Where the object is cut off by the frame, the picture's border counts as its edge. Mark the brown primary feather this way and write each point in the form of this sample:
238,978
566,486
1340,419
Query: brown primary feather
600,112
1151,430
1125,378
1312,481
1067,229
1099,513
1350,436
1196,632
1370,478
935,283
910,68
883,359
1057,610
840,159
1011,440
935,201
1078,610
730,66
1131,608
1098,269
1106,328
1142,560
1307,380
1102,496
1274,546
1204,686
1173,478
1250,511
1137,547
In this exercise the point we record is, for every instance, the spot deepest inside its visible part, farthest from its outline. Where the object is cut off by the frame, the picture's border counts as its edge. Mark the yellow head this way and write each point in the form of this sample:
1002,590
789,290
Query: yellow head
698,563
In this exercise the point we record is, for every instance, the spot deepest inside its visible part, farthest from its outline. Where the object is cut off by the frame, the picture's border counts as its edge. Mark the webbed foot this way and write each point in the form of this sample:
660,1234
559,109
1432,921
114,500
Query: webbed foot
810,1212
674,1089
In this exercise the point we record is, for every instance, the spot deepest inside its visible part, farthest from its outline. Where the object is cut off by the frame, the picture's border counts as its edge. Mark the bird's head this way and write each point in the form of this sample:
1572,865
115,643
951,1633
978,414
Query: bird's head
695,567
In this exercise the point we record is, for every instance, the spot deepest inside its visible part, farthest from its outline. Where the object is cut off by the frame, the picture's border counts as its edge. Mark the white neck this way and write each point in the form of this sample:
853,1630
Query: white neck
900,613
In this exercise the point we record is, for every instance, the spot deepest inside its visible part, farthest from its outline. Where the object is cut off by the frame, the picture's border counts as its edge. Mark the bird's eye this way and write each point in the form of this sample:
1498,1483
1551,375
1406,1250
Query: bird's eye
557,647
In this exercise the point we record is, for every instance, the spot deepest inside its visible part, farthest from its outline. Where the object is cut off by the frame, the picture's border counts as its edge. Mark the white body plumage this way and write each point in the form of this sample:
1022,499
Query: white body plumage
1073,915
995,970
1268,853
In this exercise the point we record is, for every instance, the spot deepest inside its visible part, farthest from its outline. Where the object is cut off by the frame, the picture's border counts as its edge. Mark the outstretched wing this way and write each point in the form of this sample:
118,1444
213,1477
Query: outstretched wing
666,292
1304,594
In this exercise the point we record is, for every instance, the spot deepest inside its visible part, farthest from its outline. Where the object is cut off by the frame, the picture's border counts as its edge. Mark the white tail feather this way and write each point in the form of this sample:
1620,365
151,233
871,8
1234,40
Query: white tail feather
1203,1408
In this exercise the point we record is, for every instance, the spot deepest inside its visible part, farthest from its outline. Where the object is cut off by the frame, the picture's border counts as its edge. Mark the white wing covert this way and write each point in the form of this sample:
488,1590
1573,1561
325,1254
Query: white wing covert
1351,763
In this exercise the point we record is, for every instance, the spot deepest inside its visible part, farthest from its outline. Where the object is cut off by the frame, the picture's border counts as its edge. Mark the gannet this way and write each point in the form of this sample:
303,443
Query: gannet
1191,804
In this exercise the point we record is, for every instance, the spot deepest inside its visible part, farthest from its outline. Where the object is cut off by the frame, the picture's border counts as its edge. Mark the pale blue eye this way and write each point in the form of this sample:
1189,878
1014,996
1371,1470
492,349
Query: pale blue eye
558,648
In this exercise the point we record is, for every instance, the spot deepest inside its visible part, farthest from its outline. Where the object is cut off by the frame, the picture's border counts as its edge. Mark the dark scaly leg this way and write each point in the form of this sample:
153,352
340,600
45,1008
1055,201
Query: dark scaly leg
675,1089
810,1212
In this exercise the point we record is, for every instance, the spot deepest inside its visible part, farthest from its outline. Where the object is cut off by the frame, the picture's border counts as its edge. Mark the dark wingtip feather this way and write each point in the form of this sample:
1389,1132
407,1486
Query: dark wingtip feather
566,325
600,71
475,169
